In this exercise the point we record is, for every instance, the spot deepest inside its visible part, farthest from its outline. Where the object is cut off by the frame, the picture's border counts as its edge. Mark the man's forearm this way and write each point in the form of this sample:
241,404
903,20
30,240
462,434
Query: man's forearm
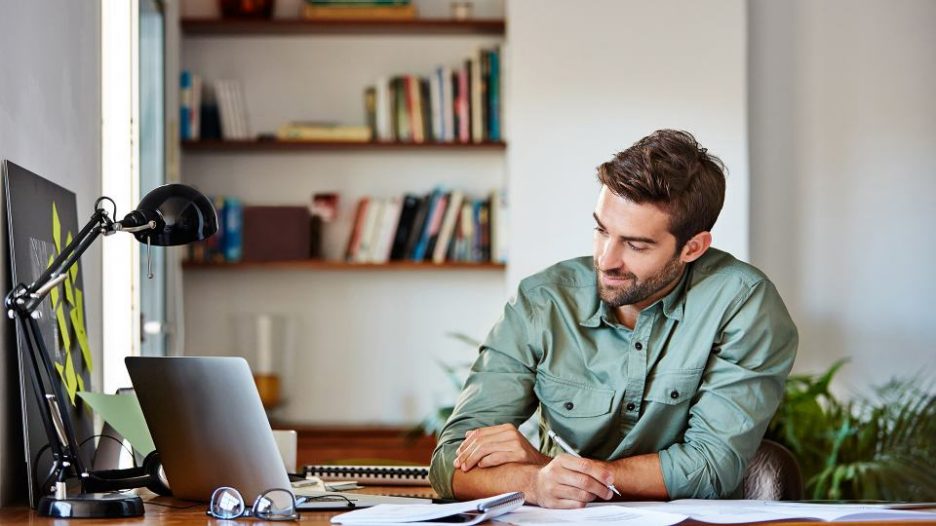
486,482
639,477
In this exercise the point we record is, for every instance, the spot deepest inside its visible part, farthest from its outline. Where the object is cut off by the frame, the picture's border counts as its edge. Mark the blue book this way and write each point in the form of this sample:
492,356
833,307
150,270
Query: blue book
494,133
422,246
233,229
185,108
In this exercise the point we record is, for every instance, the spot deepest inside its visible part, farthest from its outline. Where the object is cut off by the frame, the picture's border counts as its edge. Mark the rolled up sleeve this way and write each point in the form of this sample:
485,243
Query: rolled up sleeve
499,390
741,388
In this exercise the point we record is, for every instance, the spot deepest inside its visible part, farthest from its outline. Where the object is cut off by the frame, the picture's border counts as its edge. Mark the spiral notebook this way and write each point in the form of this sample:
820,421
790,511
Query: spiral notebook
380,475
466,513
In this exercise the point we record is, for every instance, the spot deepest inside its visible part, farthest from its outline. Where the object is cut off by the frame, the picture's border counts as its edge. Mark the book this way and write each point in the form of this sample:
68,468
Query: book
232,241
466,513
410,207
419,224
494,97
383,110
413,102
385,230
373,474
322,132
354,240
448,227
358,12
422,246
368,231
435,226
185,106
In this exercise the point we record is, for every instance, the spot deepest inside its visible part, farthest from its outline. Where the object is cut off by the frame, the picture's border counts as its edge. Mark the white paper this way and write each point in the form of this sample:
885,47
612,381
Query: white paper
741,511
604,515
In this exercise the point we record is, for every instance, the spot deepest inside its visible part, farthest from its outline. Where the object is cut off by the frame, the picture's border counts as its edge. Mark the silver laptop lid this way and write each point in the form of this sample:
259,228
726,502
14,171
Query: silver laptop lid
208,425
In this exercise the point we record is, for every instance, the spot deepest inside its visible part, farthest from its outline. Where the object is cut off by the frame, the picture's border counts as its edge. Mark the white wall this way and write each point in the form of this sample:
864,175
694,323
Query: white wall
843,161
49,123
589,79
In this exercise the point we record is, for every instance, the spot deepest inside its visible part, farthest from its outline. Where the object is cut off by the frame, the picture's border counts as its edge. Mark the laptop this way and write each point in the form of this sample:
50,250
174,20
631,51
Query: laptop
210,429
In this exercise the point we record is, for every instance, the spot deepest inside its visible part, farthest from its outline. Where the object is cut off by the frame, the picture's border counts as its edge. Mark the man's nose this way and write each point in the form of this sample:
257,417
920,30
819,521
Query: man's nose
610,255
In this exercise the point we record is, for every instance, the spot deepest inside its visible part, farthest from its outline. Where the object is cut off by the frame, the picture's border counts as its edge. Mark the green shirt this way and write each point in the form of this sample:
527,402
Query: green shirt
697,379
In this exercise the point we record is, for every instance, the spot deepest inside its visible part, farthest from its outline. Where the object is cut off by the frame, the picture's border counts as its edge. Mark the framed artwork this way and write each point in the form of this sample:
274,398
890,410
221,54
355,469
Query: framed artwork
42,219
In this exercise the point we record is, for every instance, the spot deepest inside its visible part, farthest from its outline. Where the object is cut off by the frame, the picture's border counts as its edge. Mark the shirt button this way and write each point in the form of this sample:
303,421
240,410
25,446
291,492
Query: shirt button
638,346
674,395
569,405
631,406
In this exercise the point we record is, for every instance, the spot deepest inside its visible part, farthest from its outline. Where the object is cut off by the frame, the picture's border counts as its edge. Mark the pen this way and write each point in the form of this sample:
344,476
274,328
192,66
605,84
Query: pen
568,449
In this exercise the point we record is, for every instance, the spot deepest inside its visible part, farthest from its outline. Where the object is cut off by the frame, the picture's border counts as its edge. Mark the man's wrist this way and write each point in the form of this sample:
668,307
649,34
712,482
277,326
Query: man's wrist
529,473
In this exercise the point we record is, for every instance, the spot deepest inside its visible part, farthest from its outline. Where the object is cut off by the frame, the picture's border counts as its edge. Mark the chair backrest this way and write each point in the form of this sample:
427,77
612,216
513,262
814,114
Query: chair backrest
773,474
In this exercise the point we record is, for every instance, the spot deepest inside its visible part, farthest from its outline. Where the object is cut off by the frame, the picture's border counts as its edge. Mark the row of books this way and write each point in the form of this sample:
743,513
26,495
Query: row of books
211,111
460,104
227,245
437,227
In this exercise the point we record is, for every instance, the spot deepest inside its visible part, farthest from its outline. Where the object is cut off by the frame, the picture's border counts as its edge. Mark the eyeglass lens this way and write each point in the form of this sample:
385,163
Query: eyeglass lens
226,503
276,504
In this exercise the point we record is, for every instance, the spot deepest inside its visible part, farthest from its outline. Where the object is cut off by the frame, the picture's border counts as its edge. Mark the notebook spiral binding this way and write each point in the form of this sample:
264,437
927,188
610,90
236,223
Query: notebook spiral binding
381,475
505,501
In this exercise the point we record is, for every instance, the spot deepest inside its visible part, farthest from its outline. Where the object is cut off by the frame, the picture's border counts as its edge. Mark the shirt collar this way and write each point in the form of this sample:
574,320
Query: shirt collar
673,305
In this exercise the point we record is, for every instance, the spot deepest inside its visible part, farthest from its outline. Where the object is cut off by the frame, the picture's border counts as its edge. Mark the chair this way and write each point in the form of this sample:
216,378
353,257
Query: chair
773,474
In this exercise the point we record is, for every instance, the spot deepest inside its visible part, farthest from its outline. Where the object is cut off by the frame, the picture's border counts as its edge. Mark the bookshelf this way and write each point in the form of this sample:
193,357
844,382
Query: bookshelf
213,27
317,264
236,146
357,320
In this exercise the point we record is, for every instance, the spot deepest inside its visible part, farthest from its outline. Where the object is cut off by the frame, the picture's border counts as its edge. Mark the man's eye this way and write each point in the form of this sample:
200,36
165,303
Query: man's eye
636,248
600,230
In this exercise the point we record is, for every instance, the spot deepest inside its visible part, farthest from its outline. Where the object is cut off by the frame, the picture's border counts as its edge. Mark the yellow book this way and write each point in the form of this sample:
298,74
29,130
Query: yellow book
298,132
352,12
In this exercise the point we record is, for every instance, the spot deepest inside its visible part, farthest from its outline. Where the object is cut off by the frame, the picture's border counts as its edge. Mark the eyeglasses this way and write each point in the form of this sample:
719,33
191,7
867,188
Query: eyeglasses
271,505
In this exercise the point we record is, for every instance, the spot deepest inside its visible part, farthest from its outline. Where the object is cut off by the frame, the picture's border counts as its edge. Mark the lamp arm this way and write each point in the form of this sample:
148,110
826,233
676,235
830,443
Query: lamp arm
32,295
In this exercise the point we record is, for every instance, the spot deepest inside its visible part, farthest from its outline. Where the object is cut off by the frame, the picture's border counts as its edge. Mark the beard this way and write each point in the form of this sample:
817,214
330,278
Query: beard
638,289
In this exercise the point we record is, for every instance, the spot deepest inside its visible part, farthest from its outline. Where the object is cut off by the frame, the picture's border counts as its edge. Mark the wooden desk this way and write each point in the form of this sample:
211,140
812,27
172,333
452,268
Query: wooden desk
165,511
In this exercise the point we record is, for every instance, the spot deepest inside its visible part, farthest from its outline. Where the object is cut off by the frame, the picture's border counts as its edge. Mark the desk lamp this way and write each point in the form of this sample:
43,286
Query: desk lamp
172,214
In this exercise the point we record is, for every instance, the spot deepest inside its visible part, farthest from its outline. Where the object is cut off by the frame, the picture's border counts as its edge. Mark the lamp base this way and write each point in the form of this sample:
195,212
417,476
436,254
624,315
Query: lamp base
91,505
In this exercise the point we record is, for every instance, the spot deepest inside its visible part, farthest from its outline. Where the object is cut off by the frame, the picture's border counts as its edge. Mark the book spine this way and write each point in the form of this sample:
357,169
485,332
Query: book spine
233,229
388,225
195,112
185,107
477,118
448,227
494,96
405,133
370,109
404,226
435,104
369,234
448,109
354,239
415,107
464,124
419,252
435,227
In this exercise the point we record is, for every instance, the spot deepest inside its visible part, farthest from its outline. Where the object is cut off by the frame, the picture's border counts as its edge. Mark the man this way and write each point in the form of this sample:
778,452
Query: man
660,359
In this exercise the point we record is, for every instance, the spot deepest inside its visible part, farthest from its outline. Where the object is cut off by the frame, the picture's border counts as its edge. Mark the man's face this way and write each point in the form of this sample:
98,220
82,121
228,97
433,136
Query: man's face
635,254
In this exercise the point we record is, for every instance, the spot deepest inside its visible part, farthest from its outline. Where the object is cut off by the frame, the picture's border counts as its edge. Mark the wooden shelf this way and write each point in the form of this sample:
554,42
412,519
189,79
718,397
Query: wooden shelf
316,264
247,146
418,26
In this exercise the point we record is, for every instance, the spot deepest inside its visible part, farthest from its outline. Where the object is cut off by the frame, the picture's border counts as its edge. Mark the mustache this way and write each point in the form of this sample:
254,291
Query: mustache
617,273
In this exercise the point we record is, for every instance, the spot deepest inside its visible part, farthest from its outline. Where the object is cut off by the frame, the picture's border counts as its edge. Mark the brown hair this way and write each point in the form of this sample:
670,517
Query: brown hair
669,169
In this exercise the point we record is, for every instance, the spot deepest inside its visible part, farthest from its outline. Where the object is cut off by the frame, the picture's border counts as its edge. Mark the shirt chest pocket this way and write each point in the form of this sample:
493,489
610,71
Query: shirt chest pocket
569,399
673,387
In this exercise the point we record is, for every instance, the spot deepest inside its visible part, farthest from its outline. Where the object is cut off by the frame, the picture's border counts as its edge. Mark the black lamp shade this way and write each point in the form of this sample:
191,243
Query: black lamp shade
182,214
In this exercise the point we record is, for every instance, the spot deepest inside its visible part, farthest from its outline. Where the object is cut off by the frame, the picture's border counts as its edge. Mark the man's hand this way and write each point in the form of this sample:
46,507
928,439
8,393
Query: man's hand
492,446
571,482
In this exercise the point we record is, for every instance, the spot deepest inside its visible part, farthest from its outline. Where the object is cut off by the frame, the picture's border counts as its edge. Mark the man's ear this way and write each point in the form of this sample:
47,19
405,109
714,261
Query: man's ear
695,247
